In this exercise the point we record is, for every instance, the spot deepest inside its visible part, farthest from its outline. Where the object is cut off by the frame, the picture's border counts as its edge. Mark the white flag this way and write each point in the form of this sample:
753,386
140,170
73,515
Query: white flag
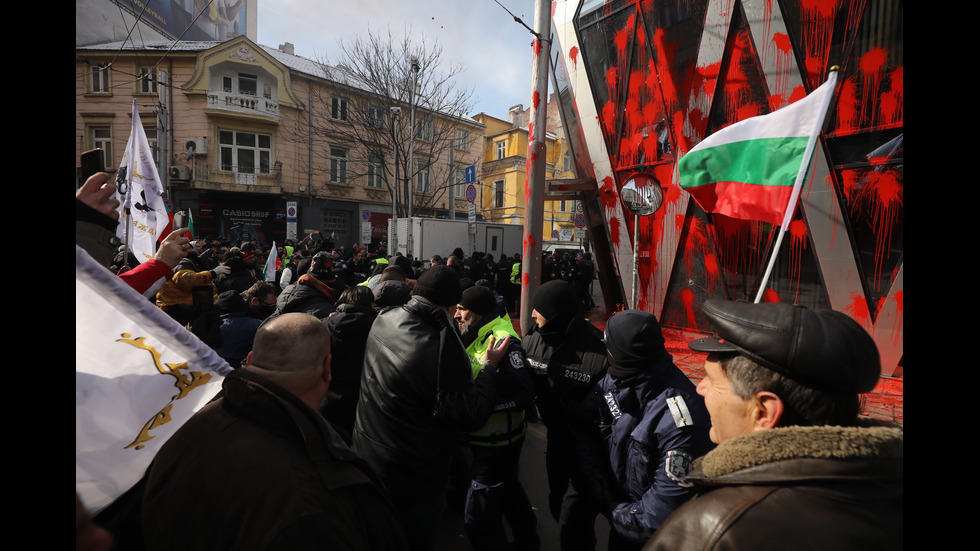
140,194
139,375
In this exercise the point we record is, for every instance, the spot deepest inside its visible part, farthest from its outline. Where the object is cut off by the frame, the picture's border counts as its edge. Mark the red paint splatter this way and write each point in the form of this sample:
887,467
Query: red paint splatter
620,39
782,43
536,99
573,53
879,194
858,309
797,244
770,295
536,47
899,316
687,299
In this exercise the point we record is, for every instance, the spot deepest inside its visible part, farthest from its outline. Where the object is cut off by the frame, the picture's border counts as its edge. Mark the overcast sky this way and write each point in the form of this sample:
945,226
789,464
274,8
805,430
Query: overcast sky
479,34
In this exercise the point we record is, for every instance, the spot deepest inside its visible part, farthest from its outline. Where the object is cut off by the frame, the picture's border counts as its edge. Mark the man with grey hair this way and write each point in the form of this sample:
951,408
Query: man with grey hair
795,466
259,468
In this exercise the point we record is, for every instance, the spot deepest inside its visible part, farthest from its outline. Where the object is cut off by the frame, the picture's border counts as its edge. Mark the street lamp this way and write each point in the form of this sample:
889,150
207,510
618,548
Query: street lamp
393,238
411,156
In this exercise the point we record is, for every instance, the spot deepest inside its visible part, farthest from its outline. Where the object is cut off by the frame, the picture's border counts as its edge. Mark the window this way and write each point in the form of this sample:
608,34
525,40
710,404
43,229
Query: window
567,162
459,182
338,109
501,149
462,139
248,84
498,194
101,138
148,80
100,79
151,140
422,184
423,129
563,206
226,84
376,117
338,165
245,152
375,171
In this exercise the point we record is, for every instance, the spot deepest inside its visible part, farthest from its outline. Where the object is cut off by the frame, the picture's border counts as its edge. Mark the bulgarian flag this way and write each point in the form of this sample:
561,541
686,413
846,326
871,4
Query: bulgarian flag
272,264
754,169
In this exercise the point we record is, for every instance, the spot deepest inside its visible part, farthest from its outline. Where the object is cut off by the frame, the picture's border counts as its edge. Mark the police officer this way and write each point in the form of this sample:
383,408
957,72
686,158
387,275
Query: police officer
495,491
568,358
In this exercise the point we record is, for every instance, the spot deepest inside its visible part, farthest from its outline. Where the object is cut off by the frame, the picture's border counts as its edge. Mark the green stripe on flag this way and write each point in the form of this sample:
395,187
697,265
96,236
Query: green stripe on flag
765,162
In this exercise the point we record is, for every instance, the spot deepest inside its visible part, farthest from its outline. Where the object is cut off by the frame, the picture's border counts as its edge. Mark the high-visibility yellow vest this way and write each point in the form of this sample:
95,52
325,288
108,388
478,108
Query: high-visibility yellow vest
502,427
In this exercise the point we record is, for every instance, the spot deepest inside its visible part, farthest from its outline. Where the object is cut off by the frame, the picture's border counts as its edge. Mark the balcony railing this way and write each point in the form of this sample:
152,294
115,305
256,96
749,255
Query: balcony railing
231,178
243,103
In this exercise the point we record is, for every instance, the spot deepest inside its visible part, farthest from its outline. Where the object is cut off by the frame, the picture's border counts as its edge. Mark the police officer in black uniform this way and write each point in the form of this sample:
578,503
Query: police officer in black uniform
568,358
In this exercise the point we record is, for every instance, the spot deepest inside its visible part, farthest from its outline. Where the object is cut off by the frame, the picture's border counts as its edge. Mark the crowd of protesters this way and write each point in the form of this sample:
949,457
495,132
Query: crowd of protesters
360,378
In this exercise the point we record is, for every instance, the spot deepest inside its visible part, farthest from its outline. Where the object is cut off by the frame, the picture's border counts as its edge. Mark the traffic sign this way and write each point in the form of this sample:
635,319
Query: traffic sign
579,220
470,193
470,173
366,215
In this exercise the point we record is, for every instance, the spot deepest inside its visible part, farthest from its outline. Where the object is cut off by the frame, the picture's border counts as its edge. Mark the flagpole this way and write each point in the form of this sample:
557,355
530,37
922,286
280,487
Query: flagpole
800,176
130,169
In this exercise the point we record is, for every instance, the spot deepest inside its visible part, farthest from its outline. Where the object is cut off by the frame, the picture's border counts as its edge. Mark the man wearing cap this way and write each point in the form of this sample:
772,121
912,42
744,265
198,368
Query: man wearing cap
418,397
795,467
495,492
568,358
654,424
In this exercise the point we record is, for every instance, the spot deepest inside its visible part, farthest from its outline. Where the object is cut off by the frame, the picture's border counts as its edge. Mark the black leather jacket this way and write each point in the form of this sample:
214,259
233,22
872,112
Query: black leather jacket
801,488
418,397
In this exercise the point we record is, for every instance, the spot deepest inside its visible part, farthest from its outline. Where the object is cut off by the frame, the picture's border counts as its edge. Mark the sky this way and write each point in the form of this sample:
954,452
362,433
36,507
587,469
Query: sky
479,34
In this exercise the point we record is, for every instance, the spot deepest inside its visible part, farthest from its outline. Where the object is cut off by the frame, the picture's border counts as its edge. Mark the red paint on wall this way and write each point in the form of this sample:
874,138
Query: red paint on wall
879,195
536,99
573,54
797,244
687,299
897,332
858,309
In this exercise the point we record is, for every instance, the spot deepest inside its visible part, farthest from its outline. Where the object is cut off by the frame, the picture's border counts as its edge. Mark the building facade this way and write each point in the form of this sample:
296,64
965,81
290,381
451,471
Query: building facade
504,175
640,83
258,143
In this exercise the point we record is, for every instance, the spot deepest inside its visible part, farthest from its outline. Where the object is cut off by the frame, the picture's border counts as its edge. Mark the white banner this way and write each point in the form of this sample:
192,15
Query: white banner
140,194
139,375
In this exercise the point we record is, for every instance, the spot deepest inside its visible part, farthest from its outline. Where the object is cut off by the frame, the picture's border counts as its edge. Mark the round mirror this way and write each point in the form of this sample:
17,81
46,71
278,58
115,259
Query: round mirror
642,194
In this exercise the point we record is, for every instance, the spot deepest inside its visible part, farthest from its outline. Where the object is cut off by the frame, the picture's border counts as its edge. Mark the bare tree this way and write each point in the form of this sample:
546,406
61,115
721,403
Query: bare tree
379,80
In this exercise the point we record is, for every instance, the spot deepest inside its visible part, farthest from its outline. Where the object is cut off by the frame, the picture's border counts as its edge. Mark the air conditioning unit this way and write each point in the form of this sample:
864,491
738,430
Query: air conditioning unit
197,146
180,172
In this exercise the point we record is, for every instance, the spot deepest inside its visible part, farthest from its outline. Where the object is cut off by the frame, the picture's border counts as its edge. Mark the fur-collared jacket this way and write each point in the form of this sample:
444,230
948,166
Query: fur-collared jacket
800,488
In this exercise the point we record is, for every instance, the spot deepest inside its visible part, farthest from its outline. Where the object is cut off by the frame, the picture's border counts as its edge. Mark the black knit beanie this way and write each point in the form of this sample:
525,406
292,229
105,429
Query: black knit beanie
440,285
478,299
555,299
634,341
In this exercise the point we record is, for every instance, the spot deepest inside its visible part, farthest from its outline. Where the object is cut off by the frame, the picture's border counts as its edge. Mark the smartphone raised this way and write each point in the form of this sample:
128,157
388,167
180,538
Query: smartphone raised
180,219
93,161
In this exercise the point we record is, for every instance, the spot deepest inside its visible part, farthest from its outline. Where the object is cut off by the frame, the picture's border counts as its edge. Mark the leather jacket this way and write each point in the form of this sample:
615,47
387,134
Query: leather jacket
801,488
418,397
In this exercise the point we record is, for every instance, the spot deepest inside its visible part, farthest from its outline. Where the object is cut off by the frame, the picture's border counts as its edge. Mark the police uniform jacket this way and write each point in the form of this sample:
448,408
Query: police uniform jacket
515,388
654,425
801,488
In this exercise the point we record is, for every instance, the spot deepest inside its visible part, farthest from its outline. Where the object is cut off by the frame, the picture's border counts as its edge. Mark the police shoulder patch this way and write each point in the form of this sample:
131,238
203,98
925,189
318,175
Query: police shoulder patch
678,464
678,408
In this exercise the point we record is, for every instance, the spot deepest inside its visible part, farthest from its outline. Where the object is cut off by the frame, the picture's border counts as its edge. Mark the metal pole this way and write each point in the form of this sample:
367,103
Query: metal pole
636,258
411,156
536,160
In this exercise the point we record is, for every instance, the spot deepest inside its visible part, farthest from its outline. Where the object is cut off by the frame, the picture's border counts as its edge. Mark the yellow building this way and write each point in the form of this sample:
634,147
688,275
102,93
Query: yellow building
504,173
258,143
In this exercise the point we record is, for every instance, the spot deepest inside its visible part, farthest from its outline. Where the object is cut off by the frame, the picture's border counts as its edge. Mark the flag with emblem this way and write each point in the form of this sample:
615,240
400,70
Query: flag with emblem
142,214
139,375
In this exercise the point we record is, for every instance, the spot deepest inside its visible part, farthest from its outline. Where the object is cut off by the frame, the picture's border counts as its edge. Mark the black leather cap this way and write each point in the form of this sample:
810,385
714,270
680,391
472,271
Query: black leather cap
822,349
